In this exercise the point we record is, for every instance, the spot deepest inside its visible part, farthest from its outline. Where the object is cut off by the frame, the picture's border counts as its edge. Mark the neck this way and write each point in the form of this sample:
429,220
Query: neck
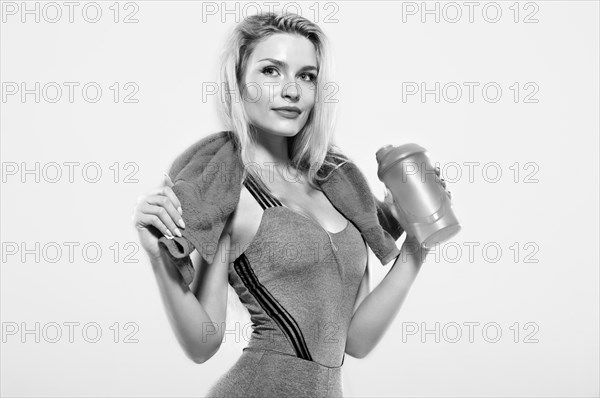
271,155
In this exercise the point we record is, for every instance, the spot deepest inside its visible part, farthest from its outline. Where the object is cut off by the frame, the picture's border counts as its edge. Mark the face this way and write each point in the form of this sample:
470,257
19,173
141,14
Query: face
281,72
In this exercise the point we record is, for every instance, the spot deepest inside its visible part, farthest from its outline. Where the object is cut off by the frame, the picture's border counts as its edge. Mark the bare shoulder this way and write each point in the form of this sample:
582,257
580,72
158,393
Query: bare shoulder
234,220
228,228
243,222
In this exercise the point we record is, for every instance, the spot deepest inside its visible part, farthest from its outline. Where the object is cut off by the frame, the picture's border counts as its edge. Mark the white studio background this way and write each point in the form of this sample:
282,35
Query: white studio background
520,157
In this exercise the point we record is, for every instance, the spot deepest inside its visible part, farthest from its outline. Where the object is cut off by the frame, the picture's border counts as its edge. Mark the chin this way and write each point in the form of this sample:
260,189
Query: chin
285,129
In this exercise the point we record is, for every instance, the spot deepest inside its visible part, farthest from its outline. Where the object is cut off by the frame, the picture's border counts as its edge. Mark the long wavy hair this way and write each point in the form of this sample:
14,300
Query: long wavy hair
312,151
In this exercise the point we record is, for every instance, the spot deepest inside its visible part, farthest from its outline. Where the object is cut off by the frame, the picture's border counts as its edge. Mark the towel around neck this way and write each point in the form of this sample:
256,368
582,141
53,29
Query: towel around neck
207,180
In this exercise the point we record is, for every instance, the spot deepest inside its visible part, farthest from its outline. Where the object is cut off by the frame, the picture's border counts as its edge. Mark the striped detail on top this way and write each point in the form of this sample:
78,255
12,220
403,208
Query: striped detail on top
272,307
263,198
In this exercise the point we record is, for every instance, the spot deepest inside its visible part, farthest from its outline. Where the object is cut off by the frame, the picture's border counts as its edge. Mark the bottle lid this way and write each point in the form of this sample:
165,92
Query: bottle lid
388,155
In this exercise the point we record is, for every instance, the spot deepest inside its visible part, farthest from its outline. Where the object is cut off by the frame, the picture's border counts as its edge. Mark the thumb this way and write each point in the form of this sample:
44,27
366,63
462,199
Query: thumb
167,180
389,198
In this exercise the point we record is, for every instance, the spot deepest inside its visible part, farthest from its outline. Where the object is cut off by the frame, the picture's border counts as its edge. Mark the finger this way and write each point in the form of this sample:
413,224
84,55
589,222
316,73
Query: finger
389,198
437,170
167,180
169,193
145,218
387,193
166,212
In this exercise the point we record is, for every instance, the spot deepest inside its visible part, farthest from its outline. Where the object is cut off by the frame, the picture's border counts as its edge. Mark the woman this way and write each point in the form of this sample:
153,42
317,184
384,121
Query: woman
306,312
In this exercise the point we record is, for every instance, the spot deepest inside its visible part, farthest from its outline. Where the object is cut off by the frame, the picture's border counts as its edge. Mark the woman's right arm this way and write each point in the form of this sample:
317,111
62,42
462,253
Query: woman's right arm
197,315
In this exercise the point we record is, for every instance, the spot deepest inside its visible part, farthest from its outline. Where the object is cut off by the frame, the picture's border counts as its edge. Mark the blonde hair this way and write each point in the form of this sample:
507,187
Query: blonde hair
312,150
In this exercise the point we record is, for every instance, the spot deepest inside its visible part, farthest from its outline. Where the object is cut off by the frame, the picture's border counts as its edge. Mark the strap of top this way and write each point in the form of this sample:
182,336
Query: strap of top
263,198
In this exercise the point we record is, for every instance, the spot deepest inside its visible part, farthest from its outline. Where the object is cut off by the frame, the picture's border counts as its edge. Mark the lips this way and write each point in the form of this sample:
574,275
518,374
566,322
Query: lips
287,112
288,109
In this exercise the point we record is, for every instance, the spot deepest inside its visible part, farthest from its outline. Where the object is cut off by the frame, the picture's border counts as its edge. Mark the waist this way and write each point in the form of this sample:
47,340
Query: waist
284,361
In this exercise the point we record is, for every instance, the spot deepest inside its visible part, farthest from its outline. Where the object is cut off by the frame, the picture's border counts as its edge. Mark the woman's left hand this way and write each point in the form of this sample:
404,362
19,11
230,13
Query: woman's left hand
437,172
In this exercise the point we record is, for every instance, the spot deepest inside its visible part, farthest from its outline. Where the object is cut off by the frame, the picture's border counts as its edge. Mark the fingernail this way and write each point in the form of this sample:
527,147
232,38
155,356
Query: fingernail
178,232
180,210
169,235
181,223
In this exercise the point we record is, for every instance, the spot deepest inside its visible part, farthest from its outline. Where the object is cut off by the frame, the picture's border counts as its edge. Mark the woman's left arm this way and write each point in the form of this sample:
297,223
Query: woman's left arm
378,309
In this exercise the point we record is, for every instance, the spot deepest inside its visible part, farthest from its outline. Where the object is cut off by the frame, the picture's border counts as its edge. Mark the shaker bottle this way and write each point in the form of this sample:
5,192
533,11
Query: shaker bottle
424,209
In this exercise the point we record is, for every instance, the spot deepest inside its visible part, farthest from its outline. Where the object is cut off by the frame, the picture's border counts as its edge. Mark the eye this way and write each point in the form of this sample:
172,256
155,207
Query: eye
312,76
266,70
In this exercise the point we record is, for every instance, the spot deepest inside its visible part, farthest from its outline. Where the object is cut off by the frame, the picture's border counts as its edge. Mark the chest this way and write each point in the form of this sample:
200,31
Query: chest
311,204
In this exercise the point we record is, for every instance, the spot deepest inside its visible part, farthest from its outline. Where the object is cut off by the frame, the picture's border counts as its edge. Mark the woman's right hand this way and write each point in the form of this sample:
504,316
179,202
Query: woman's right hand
156,214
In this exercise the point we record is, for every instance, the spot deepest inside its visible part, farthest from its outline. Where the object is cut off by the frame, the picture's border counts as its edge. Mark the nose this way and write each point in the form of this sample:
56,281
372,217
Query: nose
291,92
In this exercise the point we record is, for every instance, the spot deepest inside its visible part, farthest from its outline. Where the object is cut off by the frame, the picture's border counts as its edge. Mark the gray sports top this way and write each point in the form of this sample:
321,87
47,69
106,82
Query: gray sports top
299,291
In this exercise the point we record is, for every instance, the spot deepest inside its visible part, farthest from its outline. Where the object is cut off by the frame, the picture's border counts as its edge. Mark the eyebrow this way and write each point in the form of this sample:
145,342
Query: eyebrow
285,65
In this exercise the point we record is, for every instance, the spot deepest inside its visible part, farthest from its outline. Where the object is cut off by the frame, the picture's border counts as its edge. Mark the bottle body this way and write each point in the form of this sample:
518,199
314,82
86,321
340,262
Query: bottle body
424,208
